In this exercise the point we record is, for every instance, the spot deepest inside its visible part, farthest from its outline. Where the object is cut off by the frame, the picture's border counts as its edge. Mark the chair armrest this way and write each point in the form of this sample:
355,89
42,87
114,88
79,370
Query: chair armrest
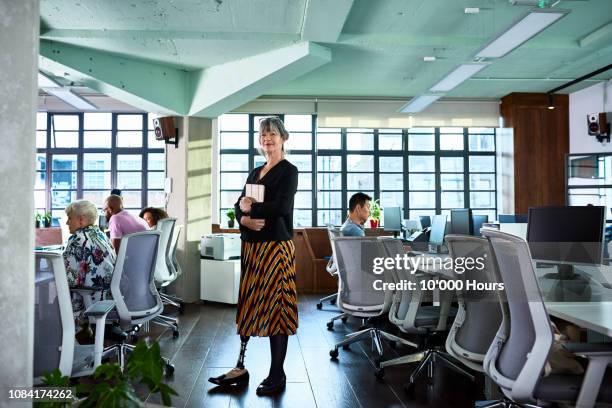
86,289
589,349
100,308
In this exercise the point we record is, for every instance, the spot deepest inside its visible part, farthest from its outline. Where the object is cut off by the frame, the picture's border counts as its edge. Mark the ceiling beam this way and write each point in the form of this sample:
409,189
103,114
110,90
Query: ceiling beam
221,88
324,19
596,35
60,33
146,85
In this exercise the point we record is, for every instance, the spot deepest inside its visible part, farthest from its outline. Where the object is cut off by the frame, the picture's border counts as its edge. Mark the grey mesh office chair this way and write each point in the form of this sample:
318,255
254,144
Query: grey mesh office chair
54,342
479,314
410,316
165,272
330,268
133,286
516,358
356,294
178,271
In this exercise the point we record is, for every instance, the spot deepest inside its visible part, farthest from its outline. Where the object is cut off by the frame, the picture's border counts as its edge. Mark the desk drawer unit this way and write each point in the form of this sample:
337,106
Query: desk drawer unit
219,280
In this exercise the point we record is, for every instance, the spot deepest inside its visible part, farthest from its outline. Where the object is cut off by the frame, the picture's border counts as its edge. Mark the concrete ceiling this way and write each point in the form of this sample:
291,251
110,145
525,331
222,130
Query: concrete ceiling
205,57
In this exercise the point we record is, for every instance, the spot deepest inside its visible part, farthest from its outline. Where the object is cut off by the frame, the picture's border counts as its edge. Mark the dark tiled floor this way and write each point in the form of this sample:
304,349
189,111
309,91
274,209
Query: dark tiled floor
208,346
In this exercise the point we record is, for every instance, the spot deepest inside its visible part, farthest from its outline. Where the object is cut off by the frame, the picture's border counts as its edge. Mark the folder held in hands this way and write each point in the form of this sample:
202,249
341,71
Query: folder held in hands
255,191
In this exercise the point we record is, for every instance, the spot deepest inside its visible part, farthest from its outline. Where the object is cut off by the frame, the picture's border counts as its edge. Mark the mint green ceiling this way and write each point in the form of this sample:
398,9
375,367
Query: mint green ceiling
206,57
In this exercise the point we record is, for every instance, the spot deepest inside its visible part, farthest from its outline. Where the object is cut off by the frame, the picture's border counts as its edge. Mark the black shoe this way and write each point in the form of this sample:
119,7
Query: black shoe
267,387
223,380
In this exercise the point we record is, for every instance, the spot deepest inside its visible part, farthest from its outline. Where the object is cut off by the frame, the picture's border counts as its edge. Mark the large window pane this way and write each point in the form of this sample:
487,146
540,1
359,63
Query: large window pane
451,164
482,163
482,181
302,161
482,143
40,181
303,199
129,162
41,161
304,181
156,180
61,199
65,139
482,200
452,199
129,122
451,181
64,180
129,180
330,199
239,162
299,141
325,217
156,161
360,141
96,161
234,140
386,163
41,139
97,139
329,163
302,218
97,121
235,122
229,198
96,197
421,142
389,142
41,120
40,198
153,143
422,181
422,200
156,199
97,180
233,181
329,141
65,122
421,164
356,162
391,199
132,199
360,181
391,181
329,181
451,142
129,139
298,123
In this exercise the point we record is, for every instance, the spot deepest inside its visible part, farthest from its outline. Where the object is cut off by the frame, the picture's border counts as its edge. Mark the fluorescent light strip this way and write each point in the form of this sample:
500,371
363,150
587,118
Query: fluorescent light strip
71,98
45,82
521,31
419,103
457,76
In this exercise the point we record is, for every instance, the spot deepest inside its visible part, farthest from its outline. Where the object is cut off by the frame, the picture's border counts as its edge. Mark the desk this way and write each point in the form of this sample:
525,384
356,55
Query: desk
596,316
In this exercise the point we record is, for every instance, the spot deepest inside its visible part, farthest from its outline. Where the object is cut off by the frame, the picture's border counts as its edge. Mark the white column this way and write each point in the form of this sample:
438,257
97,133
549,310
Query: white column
19,27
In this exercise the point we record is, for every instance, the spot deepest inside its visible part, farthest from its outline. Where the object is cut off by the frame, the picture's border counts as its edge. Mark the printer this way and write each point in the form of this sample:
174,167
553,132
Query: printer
220,246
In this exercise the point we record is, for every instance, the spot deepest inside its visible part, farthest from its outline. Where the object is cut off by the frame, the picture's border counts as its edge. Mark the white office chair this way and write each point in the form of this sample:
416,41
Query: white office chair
173,264
54,331
331,268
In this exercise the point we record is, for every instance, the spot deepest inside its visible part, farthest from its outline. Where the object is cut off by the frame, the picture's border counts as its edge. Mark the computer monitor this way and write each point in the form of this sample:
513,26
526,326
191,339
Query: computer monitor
392,217
566,234
102,223
438,229
512,218
425,221
461,222
478,221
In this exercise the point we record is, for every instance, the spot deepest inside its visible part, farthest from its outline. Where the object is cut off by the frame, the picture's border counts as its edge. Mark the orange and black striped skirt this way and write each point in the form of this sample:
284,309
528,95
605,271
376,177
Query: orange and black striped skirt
267,299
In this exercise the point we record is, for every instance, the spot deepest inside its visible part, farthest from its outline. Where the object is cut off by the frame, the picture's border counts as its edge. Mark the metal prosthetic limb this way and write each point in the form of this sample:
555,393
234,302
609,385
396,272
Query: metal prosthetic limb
243,345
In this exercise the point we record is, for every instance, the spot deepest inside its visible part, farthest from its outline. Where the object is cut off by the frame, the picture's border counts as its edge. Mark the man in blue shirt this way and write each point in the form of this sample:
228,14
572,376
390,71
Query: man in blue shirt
359,212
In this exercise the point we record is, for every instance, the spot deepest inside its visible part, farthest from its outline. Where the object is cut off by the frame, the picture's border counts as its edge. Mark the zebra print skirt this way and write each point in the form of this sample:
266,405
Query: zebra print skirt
267,299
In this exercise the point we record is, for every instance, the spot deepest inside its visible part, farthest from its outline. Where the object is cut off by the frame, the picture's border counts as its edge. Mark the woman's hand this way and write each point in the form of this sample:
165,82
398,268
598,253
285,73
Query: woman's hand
253,224
245,204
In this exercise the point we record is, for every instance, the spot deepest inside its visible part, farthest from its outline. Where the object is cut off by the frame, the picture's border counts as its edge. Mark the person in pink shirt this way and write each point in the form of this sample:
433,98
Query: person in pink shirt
120,222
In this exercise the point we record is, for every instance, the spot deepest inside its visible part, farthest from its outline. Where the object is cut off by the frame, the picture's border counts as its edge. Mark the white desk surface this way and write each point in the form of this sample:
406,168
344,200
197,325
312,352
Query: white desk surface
596,316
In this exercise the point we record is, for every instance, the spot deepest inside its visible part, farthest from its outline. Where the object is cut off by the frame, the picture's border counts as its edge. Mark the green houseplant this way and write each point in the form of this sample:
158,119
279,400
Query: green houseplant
231,215
46,220
37,219
375,210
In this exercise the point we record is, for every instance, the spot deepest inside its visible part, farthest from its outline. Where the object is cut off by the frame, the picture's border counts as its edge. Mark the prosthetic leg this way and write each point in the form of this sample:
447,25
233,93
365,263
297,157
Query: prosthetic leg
237,375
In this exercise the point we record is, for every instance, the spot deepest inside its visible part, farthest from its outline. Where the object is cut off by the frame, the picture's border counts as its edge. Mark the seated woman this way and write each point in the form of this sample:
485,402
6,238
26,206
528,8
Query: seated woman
152,215
89,256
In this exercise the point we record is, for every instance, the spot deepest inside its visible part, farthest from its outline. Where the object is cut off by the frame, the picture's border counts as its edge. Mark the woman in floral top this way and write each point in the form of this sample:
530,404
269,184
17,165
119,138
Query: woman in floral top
89,256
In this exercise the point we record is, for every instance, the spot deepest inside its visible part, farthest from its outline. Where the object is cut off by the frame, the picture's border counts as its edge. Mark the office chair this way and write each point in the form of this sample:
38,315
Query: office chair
410,316
133,287
173,263
520,350
479,314
332,231
165,273
54,341
356,295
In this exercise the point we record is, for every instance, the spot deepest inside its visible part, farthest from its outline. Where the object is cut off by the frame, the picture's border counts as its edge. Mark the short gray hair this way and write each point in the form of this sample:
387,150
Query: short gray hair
83,208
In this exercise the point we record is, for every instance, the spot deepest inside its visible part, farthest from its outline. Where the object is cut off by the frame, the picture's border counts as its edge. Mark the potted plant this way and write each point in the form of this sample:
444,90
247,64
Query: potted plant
37,219
46,220
374,213
231,215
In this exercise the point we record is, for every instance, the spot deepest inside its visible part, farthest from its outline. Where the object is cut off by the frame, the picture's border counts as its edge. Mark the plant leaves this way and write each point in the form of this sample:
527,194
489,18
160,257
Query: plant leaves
146,364
56,379
166,391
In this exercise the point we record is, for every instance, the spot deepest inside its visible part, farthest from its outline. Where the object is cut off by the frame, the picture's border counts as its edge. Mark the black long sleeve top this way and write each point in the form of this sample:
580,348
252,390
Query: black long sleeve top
277,208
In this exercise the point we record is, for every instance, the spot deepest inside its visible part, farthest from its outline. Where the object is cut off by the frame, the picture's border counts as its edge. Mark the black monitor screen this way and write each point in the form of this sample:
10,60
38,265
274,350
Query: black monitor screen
461,222
438,229
392,218
478,221
425,221
512,218
567,234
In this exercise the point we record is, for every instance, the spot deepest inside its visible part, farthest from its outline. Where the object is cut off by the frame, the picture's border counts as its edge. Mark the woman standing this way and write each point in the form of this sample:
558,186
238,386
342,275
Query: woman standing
267,300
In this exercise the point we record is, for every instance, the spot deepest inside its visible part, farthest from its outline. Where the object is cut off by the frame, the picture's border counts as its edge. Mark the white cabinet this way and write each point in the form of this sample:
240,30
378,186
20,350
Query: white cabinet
219,280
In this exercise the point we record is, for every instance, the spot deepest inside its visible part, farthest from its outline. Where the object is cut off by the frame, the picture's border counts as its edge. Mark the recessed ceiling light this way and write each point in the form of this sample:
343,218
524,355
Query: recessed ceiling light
418,103
471,10
457,76
429,59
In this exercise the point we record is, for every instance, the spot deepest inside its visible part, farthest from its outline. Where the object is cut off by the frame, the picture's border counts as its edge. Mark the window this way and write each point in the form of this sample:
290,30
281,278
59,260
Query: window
423,170
85,155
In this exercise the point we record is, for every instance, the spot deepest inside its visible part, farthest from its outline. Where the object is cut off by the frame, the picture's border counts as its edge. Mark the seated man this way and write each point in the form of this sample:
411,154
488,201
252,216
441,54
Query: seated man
152,215
121,222
359,211
89,257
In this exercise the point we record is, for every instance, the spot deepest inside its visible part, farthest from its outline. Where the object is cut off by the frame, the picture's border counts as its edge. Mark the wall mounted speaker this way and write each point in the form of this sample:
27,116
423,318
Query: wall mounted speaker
165,130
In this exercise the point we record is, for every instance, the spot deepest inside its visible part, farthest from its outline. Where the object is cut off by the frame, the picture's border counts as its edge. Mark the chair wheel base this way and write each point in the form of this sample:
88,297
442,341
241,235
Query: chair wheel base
319,306
333,301
169,369
175,334
333,353
330,325
181,307
346,347
380,373
409,389
344,319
